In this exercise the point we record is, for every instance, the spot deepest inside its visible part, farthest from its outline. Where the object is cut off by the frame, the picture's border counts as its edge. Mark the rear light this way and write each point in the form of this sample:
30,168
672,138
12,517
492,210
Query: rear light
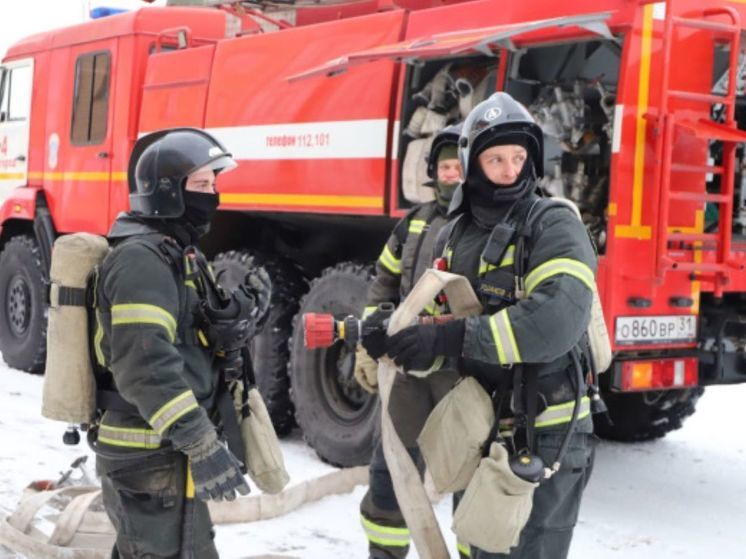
657,374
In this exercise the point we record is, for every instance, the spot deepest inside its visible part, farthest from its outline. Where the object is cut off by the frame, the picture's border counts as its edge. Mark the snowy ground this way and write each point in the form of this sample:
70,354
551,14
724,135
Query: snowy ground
681,497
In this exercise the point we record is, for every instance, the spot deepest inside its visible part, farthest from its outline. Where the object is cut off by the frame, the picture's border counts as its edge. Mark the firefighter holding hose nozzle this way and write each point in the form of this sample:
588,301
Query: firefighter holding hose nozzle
531,264
405,257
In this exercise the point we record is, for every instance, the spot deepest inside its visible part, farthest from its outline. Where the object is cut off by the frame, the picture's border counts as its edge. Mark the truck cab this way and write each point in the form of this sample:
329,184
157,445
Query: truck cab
15,116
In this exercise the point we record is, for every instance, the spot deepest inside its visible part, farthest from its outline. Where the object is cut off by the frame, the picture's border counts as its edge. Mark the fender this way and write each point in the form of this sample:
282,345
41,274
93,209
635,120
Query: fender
21,204
29,204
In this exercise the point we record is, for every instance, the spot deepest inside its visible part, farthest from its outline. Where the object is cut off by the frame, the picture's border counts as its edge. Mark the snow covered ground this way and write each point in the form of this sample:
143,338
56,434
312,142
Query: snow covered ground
680,497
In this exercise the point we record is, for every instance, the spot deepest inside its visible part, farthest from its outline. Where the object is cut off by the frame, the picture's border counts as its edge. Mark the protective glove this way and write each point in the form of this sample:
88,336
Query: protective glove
259,284
374,333
215,470
416,347
366,370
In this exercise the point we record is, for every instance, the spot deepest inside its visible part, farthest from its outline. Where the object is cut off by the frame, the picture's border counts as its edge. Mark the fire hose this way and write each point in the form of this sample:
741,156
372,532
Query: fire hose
410,491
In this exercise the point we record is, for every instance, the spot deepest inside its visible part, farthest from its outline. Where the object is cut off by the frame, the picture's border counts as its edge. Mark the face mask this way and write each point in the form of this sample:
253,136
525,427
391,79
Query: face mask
444,192
200,207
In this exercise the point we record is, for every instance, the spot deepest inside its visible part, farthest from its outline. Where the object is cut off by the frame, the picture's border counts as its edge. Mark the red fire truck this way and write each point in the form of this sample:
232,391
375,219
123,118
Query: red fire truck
329,108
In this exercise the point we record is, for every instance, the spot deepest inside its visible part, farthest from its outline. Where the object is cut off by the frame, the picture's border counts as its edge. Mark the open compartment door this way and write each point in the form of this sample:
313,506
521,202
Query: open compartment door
456,43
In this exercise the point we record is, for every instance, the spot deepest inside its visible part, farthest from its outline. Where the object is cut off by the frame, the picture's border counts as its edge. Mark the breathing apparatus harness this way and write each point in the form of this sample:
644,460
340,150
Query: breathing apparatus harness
226,322
505,287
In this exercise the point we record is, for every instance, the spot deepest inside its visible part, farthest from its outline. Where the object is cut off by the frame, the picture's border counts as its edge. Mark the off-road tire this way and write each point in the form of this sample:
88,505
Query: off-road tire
339,419
23,306
269,348
644,416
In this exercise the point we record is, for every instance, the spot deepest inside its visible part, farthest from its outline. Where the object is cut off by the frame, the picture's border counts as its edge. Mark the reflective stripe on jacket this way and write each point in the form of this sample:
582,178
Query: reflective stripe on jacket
408,252
147,339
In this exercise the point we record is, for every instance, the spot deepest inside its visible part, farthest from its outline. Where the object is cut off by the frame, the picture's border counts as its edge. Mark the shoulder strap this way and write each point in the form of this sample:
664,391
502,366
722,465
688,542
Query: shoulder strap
537,209
443,240
402,228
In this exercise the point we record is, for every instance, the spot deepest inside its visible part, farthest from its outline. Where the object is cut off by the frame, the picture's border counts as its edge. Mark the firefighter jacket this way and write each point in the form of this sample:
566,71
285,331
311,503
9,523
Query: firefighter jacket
147,339
539,329
406,255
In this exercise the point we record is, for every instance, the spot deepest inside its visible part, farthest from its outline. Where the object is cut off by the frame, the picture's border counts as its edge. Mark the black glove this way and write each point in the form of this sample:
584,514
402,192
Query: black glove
241,313
416,347
215,470
259,285
373,337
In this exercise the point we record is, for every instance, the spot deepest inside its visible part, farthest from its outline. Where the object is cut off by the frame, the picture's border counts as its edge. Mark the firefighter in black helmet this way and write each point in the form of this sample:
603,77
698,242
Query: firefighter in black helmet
159,377
529,328
405,257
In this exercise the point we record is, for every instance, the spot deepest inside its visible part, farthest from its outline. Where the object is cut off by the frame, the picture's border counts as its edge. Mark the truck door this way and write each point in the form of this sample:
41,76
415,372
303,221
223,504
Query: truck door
15,104
79,136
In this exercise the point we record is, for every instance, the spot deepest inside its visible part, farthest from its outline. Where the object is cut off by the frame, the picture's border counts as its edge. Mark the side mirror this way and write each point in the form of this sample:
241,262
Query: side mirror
3,116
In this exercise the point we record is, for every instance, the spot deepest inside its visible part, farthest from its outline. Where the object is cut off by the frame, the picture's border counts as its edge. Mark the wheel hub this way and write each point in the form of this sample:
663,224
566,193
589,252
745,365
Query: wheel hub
18,305
343,395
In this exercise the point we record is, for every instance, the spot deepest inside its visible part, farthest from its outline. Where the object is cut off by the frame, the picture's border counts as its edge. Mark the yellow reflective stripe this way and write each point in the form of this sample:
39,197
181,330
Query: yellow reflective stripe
368,311
189,490
508,256
202,338
504,339
136,313
385,535
97,339
496,339
463,548
485,267
557,266
190,283
562,413
556,414
432,309
128,437
315,200
389,262
449,257
507,260
173,410
417,226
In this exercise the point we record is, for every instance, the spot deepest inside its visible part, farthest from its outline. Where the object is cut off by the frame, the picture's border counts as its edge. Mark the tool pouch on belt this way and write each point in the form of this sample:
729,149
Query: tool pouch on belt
452,439
495,506
263,459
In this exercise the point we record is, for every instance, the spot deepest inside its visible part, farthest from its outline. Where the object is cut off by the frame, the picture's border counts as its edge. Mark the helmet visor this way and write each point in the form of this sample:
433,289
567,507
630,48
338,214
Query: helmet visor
221,164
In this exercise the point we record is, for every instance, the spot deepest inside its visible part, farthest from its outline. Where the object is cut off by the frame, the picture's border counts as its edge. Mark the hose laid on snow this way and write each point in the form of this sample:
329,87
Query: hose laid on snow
81,533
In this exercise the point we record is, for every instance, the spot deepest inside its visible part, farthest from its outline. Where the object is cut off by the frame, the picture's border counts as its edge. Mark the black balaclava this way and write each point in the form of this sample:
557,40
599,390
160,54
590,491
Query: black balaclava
199,209
490,202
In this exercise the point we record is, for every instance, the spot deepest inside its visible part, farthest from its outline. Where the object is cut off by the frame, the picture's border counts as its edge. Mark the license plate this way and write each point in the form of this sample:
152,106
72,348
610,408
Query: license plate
655,329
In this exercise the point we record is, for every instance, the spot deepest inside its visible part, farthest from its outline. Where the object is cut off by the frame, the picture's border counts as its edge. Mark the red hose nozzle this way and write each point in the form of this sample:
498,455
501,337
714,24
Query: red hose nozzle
318,330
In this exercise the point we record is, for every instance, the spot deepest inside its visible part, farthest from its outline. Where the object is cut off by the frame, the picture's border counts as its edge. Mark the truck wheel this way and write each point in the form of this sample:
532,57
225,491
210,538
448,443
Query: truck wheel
645,416
269,348
339,419
23,321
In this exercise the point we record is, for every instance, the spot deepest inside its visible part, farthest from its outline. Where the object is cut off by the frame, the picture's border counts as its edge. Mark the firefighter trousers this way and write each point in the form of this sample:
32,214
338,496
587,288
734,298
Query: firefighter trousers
411,401
556,504
145,500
